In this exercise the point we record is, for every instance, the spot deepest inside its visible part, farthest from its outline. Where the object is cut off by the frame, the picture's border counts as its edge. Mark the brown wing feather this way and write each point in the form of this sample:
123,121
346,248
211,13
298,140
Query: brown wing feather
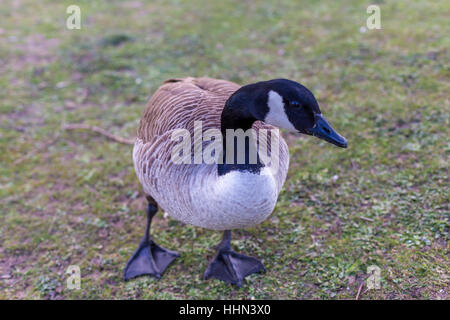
180,102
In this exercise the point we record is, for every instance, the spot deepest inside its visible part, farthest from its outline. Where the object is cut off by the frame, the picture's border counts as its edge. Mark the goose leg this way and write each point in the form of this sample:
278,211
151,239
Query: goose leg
149,258
230,266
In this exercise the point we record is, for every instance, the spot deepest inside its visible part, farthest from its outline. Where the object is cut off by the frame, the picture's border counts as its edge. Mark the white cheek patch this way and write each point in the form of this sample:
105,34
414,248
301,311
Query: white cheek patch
276,115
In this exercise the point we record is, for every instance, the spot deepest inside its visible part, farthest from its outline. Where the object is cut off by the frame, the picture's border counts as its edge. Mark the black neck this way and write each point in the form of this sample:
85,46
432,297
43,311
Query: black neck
235,116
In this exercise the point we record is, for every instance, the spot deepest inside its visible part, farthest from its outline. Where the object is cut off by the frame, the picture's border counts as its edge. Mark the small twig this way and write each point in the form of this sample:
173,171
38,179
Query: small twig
366,219
99,130
359,290
51,224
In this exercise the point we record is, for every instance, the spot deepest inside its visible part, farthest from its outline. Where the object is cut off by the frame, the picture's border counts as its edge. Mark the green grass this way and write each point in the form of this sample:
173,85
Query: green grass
72,198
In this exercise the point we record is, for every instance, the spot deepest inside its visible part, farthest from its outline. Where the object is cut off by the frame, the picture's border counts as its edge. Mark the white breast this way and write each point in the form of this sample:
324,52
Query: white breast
197,195
235,200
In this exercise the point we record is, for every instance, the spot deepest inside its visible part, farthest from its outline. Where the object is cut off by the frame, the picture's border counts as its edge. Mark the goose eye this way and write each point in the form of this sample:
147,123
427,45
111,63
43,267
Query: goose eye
295,104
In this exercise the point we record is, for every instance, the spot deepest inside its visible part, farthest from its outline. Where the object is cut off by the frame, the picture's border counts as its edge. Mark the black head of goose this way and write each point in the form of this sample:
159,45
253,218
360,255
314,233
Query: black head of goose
282,103
226,194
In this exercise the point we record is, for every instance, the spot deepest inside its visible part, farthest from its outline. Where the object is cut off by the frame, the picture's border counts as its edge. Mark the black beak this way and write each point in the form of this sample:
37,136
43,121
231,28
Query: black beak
323,130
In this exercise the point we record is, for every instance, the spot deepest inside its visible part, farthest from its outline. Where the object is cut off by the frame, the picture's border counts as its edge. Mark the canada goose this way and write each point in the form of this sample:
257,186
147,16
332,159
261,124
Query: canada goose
220,196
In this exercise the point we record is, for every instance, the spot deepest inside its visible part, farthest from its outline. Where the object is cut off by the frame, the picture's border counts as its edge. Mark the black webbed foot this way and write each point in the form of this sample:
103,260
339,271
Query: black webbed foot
149,259
230,266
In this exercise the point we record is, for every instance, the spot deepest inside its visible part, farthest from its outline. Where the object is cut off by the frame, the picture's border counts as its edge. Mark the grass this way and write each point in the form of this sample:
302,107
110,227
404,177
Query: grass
72,198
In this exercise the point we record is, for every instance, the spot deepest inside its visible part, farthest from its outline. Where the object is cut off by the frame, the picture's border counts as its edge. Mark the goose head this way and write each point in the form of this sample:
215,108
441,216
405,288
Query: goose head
284,104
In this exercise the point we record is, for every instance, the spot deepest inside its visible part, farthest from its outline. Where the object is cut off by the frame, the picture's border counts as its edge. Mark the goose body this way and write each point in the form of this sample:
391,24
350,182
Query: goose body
238,192
195,193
